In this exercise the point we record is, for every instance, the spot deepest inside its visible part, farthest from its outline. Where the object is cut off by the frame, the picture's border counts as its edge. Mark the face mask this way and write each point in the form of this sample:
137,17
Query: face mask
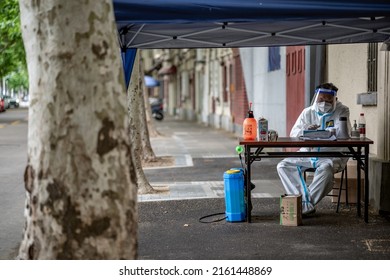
324,107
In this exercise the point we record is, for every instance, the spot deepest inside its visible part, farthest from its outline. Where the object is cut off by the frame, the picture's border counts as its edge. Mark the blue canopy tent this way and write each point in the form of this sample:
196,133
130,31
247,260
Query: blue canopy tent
247,23
128,58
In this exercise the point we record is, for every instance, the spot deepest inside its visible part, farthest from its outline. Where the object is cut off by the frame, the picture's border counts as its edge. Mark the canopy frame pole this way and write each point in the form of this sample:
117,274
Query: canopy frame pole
135,35
249,39
348,36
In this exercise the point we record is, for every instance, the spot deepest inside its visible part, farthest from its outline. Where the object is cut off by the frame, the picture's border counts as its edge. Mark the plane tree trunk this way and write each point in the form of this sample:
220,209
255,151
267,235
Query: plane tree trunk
135,109
79,179
148,154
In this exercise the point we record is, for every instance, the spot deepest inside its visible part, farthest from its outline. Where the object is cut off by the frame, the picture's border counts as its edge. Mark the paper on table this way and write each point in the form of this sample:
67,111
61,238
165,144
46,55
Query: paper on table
319,133
331,138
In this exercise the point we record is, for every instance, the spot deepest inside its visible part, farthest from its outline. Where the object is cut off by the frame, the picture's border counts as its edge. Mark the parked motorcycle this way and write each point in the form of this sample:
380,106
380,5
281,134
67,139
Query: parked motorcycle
157,108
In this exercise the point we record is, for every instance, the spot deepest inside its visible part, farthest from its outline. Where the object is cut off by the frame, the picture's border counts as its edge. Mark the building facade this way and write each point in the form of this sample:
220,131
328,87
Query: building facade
215,87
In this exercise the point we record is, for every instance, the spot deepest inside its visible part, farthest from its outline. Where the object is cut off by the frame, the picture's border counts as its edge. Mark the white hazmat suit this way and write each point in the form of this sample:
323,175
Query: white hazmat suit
291,170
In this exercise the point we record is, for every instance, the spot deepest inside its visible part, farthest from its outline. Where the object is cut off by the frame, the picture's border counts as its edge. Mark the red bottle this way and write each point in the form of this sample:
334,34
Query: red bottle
249,127
362,126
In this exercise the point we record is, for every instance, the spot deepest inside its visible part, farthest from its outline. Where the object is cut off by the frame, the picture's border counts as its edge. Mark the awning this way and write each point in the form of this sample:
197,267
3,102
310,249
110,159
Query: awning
168,70
151,82
250,23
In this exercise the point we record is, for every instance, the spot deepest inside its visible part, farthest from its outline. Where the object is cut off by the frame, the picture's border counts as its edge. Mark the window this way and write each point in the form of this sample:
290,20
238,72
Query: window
273,58
288,64
231,80
372,67
225,84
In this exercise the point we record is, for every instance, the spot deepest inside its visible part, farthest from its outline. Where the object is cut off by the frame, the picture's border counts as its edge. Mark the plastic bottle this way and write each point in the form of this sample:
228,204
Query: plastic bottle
249,127
263,129
343,129
355,132
362,126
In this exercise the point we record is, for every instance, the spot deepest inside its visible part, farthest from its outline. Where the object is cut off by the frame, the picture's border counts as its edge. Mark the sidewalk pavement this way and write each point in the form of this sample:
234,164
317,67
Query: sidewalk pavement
169,226
188,141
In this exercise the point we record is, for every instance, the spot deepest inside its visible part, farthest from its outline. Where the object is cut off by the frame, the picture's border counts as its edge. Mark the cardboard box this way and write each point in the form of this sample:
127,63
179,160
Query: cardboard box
352,191
290,210
352,170
352,184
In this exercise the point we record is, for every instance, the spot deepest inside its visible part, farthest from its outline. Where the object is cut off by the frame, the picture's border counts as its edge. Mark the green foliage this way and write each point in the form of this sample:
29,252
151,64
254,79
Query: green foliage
18,80
12,55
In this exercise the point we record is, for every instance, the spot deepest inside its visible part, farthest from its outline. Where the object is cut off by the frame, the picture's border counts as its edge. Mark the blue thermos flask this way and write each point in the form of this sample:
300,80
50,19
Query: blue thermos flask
234,195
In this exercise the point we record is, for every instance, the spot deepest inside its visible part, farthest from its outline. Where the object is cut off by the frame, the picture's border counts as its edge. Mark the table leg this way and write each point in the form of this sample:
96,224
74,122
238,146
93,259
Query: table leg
366,183
359,168
248,183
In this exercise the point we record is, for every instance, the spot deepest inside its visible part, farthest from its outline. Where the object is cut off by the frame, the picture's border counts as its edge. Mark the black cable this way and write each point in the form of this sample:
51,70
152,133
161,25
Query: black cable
242,165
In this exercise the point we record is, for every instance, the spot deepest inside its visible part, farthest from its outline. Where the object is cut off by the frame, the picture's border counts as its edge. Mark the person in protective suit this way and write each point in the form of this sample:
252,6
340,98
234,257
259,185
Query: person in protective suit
324,113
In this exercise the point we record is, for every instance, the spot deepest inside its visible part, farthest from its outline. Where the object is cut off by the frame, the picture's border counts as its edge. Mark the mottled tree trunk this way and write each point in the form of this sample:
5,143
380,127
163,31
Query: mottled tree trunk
135,108
153,132
81,191
147,150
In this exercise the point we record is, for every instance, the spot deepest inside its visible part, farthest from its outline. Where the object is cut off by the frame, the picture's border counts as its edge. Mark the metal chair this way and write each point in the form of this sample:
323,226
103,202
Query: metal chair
340,188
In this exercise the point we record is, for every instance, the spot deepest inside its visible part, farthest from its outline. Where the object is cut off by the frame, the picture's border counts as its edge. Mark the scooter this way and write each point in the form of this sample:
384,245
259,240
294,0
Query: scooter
157,109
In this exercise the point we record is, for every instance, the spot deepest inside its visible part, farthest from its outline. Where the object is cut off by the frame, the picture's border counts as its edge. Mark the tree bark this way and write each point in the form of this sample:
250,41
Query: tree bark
80,182
135,108
148,153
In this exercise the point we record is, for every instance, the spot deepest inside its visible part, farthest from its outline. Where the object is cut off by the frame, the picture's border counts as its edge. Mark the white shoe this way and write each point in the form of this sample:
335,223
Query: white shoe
309,213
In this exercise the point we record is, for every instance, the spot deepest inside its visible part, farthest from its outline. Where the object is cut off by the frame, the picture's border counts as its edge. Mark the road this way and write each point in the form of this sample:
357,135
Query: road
13,159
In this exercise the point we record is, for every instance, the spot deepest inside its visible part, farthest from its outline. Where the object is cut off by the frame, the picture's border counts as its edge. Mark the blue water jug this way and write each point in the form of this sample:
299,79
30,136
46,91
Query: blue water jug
234,195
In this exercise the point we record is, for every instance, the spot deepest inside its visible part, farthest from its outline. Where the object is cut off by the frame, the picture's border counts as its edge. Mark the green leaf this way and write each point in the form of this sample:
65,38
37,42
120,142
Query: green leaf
12,54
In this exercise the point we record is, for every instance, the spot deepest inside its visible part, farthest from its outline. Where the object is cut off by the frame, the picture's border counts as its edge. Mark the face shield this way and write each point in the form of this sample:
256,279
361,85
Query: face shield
324,101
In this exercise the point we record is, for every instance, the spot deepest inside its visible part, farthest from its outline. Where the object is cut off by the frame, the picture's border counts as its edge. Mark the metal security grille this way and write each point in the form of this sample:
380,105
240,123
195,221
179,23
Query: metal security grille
372,67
